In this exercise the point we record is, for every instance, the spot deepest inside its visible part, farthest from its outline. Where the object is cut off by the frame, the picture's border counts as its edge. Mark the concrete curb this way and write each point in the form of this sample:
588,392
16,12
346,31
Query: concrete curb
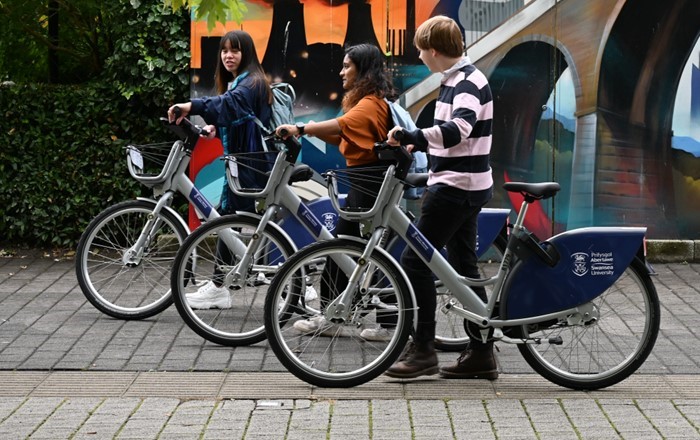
673,251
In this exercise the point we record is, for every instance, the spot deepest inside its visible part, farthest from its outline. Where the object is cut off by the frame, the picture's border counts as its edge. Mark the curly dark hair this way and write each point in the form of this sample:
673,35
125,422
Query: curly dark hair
373,76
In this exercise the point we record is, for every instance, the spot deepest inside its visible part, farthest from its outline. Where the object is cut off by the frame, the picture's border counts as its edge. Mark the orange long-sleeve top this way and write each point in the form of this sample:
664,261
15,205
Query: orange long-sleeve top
363,125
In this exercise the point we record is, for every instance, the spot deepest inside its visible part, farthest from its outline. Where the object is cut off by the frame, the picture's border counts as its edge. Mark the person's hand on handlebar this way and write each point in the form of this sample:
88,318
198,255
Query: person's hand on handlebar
286,130
177,117
392,138
211,131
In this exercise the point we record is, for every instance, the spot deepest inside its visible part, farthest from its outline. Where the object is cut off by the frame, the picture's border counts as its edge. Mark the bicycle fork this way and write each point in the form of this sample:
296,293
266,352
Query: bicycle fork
235,277
132,256
338,311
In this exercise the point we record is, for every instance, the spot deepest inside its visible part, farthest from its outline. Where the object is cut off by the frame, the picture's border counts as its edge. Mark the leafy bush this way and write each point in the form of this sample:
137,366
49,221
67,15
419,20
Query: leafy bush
62,159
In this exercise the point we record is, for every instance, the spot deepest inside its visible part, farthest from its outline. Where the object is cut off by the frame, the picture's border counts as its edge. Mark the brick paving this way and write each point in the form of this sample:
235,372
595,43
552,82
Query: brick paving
68,371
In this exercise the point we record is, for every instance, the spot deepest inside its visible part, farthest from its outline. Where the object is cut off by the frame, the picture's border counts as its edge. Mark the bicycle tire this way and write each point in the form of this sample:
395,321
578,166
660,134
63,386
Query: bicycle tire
338,357
451,330
607,351
241,323
136,289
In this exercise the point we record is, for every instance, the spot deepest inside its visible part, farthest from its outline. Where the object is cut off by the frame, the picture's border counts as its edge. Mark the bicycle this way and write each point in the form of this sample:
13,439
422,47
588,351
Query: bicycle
581,306
123,256
238,320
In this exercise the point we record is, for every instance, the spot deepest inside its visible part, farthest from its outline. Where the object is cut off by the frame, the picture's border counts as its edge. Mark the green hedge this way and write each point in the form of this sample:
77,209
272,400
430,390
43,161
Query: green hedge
62,158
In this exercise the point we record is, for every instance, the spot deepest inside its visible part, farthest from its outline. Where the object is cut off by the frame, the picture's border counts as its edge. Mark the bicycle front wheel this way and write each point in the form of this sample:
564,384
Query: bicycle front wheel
216,307
120,279
334,354
607,346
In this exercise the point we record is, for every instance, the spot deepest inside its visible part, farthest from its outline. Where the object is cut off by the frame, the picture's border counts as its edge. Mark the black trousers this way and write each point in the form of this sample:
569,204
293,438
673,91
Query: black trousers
445,224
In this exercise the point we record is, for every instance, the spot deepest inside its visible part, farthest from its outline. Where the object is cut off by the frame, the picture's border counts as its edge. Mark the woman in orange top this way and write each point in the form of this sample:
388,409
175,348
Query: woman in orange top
367,82
366,119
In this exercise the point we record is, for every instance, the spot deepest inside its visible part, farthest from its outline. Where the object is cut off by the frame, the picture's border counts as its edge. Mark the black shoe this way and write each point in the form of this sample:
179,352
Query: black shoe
416,360
473,364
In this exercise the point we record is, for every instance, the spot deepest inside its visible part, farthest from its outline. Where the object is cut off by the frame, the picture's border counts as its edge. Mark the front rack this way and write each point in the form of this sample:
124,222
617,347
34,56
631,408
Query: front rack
371,181
251,174
152,164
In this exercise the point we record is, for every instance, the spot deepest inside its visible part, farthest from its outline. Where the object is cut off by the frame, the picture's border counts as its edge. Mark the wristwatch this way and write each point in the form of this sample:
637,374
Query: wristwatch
300,127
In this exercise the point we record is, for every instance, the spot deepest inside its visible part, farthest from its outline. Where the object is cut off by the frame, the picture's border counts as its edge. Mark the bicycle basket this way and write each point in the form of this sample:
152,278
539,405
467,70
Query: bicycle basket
253,174
152,164
367,181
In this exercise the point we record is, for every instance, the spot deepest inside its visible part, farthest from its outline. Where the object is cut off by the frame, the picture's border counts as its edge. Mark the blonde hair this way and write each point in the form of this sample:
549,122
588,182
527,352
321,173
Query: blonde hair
441,34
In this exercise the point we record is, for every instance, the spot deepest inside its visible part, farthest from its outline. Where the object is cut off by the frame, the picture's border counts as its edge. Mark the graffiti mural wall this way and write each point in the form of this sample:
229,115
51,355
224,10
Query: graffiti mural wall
602,96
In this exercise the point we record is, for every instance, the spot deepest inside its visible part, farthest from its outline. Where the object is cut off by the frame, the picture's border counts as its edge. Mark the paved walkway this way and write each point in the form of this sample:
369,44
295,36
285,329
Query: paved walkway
67,371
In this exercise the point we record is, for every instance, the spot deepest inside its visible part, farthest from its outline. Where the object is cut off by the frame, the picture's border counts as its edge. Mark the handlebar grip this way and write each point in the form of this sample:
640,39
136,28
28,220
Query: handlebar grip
284,132
177,111
398,135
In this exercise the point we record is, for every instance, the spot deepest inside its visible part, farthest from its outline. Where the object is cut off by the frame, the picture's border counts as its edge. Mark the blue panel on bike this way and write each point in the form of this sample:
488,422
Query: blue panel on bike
490,223
591,260
319,212
200,202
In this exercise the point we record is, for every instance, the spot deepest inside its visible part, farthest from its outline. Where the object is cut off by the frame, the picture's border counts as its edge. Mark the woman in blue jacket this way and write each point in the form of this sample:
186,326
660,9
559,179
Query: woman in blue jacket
244,95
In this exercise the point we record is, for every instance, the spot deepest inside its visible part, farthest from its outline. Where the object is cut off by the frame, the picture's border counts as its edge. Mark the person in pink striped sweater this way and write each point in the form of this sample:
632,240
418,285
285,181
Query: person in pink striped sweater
459,184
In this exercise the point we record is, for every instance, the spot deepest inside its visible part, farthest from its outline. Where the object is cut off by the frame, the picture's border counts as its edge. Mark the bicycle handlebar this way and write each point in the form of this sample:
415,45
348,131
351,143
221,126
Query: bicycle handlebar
186,130
397,155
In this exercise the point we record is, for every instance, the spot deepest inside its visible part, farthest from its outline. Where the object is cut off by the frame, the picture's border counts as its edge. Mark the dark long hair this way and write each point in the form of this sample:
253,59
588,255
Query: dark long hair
249,61
373,77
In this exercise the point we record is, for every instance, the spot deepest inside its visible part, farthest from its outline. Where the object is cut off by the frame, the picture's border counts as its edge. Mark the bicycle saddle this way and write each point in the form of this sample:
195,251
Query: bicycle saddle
533,191
301,173
417,180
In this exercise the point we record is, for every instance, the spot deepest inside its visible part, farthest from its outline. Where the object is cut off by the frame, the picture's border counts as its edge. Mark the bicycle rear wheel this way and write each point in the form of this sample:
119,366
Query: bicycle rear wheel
123,286
335,355
234,315
605,348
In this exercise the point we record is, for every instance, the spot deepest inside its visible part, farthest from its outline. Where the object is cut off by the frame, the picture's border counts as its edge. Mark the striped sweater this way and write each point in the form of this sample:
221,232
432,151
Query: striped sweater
459,142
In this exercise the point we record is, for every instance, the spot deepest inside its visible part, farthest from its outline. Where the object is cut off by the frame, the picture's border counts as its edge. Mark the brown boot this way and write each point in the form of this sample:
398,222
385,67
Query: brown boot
473,363
418,359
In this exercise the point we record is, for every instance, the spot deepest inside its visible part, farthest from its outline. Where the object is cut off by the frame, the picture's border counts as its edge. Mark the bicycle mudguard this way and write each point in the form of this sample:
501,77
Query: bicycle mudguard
590,260
171,210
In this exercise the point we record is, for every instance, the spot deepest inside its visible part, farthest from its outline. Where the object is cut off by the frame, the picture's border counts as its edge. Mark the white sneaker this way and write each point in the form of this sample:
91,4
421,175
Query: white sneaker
209,297
317,325
310,294
259,280
379,334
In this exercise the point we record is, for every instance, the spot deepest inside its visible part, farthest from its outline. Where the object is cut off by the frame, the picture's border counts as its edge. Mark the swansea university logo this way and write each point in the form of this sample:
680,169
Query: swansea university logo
329,220
579,263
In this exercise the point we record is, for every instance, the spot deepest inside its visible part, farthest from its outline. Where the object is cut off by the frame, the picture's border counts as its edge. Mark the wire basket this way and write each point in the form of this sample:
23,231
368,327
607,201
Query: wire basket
368,181
152,164
254,174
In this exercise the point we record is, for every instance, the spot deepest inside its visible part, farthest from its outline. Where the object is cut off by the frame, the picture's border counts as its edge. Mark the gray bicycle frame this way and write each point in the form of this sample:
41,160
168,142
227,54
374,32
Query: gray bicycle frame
387,214
176,181
268,200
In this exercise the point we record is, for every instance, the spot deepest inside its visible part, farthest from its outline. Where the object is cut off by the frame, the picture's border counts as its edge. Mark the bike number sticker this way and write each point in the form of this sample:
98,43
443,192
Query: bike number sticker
233,167
136,158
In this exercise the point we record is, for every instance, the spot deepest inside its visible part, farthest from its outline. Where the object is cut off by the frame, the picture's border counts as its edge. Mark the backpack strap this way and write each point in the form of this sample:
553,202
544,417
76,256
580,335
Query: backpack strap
265,132
264,129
